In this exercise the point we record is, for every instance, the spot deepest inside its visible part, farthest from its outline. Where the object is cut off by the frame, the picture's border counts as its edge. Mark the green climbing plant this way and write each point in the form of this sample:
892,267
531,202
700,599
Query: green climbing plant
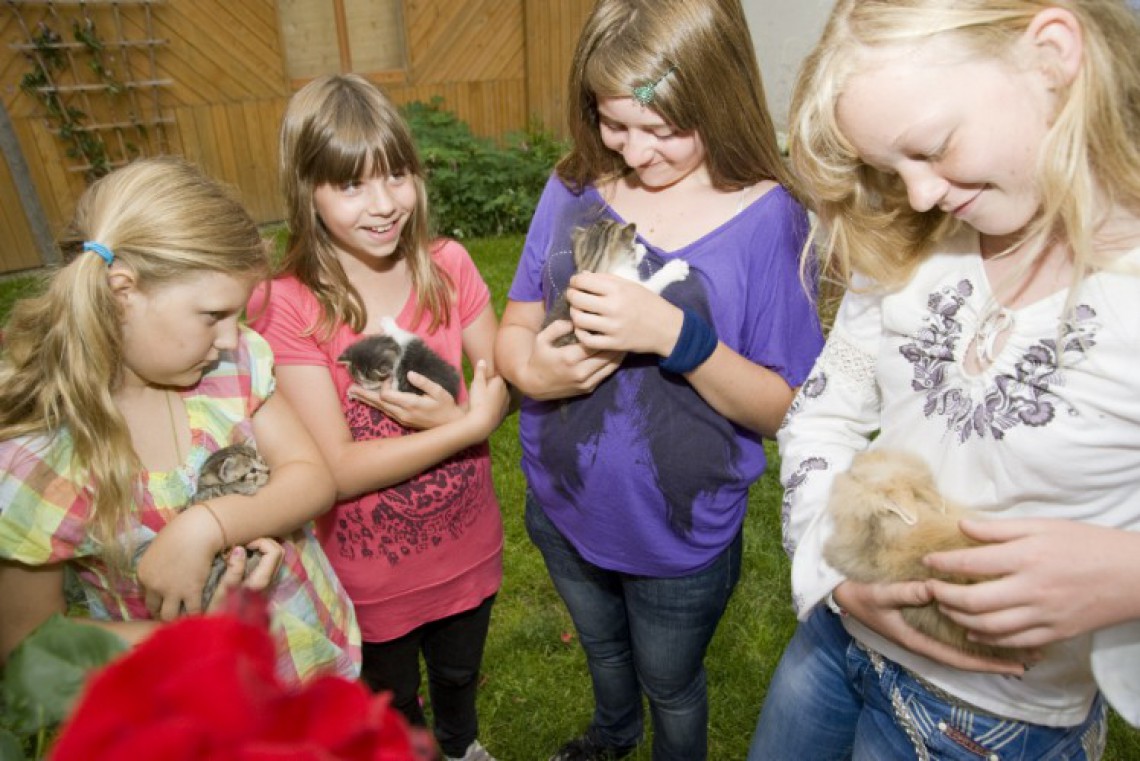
48,60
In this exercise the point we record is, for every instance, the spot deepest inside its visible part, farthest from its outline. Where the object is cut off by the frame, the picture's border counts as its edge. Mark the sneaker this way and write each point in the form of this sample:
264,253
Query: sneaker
474,752
587,748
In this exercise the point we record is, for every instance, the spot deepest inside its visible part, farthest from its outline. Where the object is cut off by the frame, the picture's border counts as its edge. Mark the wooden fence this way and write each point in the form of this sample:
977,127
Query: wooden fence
209,79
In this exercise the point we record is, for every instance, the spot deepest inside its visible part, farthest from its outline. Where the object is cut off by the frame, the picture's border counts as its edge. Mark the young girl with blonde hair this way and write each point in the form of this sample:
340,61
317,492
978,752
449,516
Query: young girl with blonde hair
117,383
416,535
976,171
641,440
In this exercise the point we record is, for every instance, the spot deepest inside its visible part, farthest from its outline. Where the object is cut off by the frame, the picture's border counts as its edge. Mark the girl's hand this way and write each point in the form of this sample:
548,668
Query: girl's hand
1048,580
488,402
878,607
557,372
611,313
262,576
173,570
433,408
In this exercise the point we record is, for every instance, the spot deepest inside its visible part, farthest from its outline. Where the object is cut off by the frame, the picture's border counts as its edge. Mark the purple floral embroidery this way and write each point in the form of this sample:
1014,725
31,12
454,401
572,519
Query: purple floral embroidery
798,603
1024,397
812,388
794,482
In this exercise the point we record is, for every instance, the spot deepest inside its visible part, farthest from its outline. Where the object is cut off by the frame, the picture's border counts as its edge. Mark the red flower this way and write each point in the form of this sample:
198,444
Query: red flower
204,688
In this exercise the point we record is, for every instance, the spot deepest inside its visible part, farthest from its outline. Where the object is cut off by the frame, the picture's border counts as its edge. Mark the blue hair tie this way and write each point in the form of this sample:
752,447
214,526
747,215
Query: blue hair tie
107,254
696,343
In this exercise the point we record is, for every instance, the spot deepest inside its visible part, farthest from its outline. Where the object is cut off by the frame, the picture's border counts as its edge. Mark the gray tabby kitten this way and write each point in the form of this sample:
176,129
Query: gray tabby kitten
373,360
888,515
611,247
236,469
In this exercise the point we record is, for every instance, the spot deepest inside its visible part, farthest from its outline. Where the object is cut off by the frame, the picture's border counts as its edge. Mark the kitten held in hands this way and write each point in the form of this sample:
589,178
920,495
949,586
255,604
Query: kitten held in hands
887,516
372,361
235,469
611,247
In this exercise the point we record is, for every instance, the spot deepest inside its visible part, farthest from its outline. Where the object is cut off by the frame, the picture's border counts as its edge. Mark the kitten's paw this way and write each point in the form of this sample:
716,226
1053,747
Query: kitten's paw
675,270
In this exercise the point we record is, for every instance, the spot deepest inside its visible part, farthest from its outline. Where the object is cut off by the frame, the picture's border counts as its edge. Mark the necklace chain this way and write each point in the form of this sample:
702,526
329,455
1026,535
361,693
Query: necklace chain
173,427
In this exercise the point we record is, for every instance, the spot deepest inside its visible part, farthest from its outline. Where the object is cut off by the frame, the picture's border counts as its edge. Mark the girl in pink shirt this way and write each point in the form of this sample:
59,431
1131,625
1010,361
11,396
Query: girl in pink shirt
416,536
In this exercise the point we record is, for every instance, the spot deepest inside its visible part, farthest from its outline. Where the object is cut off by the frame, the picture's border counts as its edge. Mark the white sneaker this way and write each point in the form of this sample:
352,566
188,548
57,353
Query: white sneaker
474,752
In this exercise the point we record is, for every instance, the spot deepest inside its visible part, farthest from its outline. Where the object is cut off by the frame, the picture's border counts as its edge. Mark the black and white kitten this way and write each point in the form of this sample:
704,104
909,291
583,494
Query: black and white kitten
235,469
373,360
611,247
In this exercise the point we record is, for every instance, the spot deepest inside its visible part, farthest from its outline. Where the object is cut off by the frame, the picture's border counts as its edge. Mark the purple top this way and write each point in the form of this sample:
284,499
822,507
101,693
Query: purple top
642,476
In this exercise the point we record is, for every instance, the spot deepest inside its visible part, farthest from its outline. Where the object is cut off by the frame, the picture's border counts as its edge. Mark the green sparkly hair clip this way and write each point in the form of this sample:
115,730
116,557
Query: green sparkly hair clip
644,94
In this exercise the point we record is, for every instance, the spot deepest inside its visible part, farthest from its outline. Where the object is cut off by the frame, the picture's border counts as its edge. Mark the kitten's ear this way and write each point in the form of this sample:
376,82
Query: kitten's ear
628,234
226,470
907,515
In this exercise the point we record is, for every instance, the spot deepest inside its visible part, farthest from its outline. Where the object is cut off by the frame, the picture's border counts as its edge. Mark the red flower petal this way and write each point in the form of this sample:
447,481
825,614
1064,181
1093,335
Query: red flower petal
172,740
214,670
204,689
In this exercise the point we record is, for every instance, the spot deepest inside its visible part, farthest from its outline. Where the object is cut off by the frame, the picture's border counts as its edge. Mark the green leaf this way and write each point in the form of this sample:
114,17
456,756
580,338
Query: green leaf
10,747
47,671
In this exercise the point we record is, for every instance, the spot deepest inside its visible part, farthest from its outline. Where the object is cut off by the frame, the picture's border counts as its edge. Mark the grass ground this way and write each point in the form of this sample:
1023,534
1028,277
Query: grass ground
535,692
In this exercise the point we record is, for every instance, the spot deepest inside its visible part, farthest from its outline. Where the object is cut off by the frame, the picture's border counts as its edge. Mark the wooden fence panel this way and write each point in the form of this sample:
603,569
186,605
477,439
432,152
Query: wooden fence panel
237,143
496,63
552,28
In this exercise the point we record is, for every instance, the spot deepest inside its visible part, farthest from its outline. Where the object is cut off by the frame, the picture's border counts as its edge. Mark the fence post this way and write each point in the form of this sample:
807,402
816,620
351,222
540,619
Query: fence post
29,199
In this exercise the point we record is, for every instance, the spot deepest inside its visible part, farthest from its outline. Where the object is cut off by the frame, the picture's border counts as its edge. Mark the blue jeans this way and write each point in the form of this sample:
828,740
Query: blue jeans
642,635
832,699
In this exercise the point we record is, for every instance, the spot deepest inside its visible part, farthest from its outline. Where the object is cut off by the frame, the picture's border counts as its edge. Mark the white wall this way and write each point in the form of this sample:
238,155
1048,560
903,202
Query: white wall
783,32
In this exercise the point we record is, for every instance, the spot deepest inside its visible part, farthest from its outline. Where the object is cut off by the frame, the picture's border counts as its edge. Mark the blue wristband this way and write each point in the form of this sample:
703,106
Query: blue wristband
696,343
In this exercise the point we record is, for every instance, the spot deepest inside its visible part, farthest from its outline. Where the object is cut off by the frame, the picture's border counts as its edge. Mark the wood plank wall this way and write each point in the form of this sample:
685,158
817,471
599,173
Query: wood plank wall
552,28
496,63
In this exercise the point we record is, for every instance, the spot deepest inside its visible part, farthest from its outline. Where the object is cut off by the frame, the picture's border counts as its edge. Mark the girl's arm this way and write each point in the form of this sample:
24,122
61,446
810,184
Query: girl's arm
30,595
300,486
299,489
364,466
479,339
525,354
615,314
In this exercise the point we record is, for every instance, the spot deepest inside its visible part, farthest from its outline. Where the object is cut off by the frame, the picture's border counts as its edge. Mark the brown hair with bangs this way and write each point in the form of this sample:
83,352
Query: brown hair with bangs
338,129
713,86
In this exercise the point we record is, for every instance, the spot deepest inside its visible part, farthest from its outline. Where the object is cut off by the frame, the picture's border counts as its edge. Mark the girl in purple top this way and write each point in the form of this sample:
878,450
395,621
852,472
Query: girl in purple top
640,442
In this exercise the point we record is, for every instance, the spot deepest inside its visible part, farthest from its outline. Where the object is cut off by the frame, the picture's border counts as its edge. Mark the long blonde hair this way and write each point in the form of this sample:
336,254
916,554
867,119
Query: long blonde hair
700,55
63,350
1089,162
337,128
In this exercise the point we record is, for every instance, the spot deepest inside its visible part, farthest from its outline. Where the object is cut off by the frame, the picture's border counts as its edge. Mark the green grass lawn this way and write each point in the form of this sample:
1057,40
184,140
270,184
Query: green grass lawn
535,692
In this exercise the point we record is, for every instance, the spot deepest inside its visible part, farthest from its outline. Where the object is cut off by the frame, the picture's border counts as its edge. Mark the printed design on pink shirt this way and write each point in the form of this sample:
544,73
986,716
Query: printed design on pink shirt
418,515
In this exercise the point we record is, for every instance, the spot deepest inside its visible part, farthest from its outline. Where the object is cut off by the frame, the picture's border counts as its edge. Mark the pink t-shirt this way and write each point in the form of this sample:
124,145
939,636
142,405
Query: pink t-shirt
429,547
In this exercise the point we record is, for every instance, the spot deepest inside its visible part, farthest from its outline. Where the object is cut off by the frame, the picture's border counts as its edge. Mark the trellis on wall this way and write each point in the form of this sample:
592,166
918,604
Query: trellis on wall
92,68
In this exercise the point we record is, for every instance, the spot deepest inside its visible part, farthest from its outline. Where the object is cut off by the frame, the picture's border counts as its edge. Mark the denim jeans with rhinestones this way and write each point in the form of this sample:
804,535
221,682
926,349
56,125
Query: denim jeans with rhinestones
832,699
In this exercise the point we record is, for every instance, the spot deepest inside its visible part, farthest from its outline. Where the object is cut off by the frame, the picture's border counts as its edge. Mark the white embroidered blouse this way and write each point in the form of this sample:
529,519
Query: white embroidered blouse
1050,429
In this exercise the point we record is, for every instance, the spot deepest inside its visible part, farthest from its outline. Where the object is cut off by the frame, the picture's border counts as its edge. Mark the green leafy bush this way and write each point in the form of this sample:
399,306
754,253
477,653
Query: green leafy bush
476,186
43,678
